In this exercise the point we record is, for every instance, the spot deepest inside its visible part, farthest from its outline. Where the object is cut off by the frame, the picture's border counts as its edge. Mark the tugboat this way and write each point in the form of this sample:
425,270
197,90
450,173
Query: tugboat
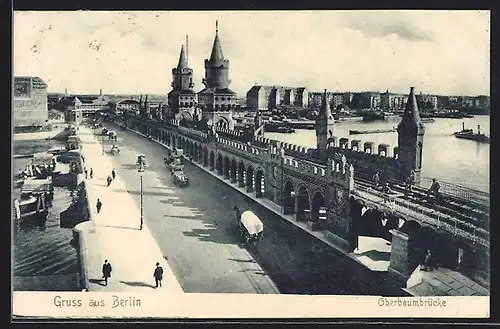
273,128
470,135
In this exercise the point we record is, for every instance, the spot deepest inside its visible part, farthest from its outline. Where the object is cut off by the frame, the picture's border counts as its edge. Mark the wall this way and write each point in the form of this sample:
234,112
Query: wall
30,111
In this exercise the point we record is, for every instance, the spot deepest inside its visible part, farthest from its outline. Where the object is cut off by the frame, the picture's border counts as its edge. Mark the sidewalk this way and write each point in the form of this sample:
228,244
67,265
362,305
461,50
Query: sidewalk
116,237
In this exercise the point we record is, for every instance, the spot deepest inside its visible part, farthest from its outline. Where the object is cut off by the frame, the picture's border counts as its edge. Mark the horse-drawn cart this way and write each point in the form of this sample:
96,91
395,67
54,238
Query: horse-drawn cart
141,162
250,226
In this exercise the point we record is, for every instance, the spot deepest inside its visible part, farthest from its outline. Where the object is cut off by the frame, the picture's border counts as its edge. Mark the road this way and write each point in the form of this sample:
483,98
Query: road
195,229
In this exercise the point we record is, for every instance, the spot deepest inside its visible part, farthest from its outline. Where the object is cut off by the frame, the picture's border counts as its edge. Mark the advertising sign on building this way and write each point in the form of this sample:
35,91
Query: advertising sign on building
22,87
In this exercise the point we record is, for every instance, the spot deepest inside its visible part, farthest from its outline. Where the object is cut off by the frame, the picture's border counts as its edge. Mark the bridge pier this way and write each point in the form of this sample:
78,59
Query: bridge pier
400,268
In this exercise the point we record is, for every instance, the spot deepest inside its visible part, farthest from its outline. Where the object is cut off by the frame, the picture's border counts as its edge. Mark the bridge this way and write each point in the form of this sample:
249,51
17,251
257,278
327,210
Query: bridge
333,198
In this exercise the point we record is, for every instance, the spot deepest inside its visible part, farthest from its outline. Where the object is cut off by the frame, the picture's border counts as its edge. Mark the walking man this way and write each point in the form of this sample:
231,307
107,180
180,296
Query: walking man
91,173
113,173
86,172
158,274
98,205
106,271
109,180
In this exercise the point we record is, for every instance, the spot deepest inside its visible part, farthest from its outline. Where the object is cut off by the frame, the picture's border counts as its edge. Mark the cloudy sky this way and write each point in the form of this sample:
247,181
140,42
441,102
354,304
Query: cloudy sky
440,52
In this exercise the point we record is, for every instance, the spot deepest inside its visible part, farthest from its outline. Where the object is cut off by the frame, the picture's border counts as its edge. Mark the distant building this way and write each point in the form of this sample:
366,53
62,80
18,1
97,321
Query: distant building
391,101
428,102
29,103
83,106
365,100
127,105
269,97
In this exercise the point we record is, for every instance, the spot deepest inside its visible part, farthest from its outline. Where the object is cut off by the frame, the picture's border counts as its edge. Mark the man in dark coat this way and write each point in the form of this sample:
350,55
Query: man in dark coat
91,173
158,274
109,180
106,271
113,173
98,205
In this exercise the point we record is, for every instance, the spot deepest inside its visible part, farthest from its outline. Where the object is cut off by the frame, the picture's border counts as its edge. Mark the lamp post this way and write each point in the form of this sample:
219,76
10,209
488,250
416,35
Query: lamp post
102,144
141,171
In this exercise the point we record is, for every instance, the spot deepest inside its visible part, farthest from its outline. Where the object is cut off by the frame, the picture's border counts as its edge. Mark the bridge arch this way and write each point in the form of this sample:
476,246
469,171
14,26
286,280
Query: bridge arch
212,160
260,187
288,197
318,207
199,157
249,178
205,157
415,237
241,174
218,164
233,171
226,167
222,122
303,205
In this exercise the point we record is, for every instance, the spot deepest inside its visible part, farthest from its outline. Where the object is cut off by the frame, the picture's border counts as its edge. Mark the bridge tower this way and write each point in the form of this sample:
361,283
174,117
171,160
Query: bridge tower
182,99
324,128
216,99
410,139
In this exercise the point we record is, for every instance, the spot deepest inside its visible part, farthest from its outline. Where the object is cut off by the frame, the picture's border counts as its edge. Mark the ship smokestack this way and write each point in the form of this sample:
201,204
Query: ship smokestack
478,129
463,125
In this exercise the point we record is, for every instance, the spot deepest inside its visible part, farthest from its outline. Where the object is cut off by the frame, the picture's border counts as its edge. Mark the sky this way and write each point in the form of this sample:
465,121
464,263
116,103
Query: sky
437,52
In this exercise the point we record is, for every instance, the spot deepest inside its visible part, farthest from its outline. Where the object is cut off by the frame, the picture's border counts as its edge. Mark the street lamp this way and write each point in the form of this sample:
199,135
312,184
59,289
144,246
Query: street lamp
141,171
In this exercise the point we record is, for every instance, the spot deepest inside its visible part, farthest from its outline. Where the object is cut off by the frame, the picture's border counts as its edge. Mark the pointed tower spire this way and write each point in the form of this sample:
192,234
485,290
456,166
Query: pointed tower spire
411,113
182,60
187,50
326,112
216,56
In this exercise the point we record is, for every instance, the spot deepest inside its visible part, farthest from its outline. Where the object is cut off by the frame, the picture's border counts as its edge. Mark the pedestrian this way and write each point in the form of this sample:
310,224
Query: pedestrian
91,173
86,172
434,190
109,180
98,205
113,173
376,179
158,274
428,266
106,271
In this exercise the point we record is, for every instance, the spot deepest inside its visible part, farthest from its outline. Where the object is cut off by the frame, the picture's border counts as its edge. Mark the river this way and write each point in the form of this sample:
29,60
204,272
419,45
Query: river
445,157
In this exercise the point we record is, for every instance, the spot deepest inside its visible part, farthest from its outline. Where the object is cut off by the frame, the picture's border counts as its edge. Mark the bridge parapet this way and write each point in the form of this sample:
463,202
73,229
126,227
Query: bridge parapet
241,147
467,231
192,131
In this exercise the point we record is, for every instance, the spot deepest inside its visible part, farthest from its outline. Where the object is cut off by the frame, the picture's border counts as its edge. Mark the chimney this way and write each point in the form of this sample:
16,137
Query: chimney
100,92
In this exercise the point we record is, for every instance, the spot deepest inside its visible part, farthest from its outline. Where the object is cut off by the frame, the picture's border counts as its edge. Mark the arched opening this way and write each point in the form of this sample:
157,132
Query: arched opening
319,212
212,160
249,179
303,206
446,253
205,157
222,123
200,153
218,164
241,174
226,167
260,187
416,252
288,198
234,171
177,143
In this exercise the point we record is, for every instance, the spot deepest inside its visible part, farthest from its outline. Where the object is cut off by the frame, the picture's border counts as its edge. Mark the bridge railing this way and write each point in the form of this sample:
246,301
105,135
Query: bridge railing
456,227
459,192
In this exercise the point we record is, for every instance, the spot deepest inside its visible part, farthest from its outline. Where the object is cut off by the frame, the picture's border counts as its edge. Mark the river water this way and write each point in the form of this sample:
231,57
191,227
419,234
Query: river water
445,157
43,258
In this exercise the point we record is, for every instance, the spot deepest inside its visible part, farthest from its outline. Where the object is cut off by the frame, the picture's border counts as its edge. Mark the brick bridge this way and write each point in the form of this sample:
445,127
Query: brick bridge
331,198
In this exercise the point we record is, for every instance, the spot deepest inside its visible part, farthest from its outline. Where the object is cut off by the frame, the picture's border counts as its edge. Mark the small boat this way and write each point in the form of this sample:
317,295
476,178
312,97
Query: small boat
371,131
427,120
470,135
278,129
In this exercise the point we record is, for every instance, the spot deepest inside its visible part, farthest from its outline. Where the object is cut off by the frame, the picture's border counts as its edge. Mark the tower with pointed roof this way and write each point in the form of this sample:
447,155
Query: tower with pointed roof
324,128
410,139
182,99
216,99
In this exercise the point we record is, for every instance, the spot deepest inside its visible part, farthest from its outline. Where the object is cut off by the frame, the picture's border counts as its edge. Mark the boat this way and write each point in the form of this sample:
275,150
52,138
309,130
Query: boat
278,129
373,116
427,120
371,131
471,135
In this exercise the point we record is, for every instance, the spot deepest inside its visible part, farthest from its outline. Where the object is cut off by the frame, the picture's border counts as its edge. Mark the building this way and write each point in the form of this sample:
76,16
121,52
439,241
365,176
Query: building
391,101
269,97
29,103
183,99
80,107
428,102
126,105
216,100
